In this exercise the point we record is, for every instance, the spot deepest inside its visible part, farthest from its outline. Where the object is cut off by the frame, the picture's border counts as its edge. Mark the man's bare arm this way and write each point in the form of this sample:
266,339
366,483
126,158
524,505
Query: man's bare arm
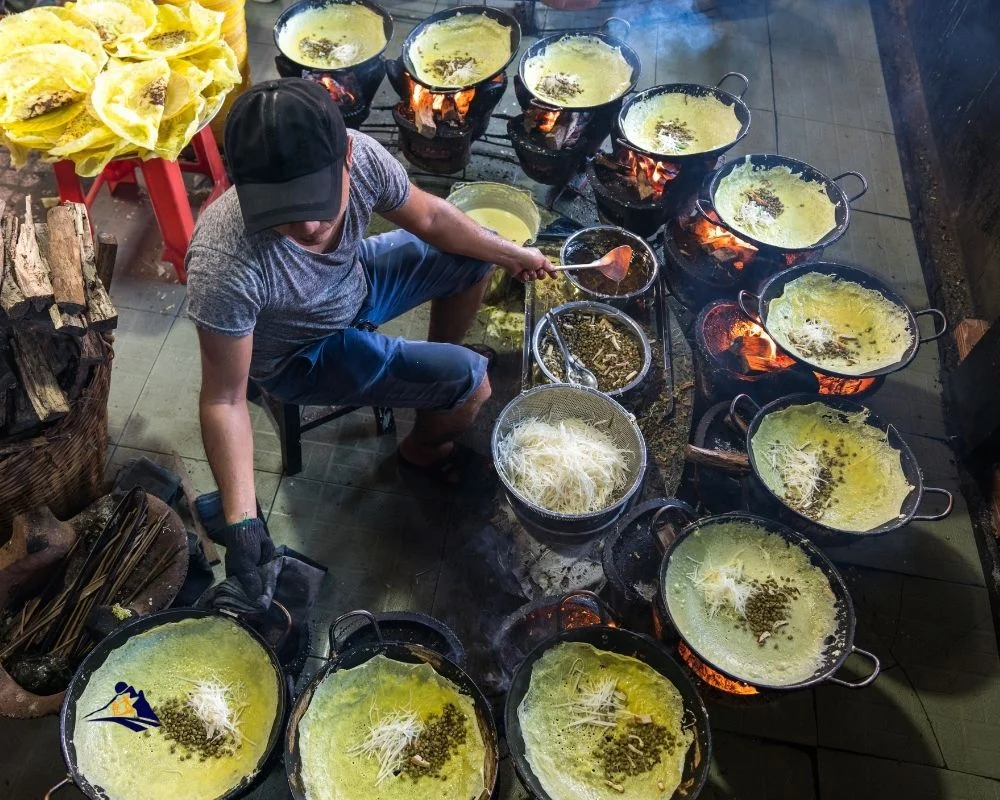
440,224
225,420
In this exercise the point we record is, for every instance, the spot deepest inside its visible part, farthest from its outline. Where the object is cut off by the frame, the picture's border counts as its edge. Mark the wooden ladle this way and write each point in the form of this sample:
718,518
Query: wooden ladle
613,265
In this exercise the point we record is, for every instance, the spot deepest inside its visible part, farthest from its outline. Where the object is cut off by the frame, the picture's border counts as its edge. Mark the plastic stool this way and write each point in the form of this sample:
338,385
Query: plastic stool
165,184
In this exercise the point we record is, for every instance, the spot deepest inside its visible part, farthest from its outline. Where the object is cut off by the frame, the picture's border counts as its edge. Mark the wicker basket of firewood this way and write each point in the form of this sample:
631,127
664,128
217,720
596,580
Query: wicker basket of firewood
55,361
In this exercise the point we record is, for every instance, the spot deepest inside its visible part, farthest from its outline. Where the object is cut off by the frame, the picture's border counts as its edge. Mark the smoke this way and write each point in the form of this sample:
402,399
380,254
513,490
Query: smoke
673,26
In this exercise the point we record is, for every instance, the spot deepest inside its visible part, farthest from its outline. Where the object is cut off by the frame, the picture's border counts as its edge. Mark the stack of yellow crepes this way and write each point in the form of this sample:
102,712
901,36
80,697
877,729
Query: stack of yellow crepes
102,79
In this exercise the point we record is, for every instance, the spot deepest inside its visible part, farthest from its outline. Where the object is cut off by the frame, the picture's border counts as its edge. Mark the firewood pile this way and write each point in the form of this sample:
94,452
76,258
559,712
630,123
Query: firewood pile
54,314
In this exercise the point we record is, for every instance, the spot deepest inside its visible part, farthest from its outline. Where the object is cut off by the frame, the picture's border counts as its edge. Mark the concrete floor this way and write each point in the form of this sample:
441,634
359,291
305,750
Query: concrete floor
928,728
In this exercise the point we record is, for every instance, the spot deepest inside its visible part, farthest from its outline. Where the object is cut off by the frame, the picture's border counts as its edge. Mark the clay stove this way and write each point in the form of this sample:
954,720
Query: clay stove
437,128
352,89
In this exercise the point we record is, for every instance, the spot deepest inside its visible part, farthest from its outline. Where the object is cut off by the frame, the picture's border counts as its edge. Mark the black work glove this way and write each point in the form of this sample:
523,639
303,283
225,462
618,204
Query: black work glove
247,547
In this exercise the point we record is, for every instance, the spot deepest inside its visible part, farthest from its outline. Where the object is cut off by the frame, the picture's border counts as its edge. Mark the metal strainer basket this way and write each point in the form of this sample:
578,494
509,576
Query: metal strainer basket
561,401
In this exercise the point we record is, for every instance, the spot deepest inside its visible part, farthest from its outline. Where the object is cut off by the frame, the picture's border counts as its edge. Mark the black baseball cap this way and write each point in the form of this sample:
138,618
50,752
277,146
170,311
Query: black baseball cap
285,142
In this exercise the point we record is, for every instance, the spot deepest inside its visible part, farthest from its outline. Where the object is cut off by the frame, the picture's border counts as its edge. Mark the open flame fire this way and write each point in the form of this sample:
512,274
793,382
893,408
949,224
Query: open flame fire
545,121
649,176
431,109
714,679
755,350
339,93
721,244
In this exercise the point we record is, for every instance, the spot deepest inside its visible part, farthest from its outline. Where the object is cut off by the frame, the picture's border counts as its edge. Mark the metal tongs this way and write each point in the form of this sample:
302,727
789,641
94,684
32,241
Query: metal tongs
573,368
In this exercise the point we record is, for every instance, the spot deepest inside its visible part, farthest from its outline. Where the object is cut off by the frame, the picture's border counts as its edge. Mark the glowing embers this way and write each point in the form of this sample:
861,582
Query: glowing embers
711,677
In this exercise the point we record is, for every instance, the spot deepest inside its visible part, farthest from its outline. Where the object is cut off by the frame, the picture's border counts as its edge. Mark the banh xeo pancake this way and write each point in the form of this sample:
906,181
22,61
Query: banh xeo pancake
387,730
578,72
838,324
179,30
775,206
65,97
181,669
681,124
582,710
460,50
751,603
42,78
831,466
333,36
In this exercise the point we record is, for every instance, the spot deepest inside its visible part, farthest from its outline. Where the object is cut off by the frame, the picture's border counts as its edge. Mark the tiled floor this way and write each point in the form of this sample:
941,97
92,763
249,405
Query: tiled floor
930,725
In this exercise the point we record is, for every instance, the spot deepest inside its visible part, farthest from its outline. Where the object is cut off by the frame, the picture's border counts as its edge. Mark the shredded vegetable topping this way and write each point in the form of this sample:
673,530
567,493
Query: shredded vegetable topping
806,478
723,587
387,740
219,706
601,703
569,467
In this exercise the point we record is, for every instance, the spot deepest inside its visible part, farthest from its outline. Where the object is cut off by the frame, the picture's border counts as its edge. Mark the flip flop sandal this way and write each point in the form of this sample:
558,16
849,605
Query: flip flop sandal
485,351
475,472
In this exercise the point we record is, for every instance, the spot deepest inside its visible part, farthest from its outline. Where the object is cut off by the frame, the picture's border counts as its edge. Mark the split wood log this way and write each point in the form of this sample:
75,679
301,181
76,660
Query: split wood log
37,377
731,463
92,353
12,299
101,313
30,268
107,252
65,263
74,324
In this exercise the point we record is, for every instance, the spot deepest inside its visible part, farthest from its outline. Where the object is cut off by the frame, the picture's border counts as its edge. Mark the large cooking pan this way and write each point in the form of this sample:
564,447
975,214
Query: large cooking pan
409,653
626,643
842,643
308,5
735,101
528,98
811,528
836,195
114,640
756,307
495,14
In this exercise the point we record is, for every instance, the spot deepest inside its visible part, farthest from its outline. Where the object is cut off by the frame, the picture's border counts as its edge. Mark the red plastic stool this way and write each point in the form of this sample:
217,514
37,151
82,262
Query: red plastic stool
165,184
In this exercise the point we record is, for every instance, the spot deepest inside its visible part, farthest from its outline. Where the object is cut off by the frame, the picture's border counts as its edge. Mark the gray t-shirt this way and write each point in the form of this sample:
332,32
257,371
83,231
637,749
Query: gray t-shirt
268,285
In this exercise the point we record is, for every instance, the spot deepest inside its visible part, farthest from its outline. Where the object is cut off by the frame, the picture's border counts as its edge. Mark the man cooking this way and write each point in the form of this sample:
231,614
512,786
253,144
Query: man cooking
285,290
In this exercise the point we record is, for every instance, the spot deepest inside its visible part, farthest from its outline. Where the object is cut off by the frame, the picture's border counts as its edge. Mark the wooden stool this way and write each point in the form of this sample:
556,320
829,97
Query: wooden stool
287,418
165,184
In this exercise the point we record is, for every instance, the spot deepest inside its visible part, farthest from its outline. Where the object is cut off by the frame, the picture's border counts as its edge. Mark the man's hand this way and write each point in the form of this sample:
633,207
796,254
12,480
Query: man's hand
247,547
531,265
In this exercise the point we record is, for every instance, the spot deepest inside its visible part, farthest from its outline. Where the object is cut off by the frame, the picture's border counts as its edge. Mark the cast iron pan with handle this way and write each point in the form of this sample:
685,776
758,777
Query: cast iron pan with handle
764,161
756,307
815,530
626,643
114,640
838,647
406,652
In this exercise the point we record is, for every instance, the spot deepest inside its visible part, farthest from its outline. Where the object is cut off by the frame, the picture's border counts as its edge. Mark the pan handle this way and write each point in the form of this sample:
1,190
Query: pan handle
741,76
611,24
749,308
682,509
877,668
699,204
735,420
334,644
938,332
860,177
940,515
602,609
63,783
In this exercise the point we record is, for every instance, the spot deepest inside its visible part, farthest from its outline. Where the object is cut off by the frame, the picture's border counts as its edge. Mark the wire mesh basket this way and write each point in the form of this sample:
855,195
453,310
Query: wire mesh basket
557,402
598,309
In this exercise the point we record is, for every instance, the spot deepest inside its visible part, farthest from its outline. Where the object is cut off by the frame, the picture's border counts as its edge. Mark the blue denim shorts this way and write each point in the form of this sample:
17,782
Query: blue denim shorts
359,366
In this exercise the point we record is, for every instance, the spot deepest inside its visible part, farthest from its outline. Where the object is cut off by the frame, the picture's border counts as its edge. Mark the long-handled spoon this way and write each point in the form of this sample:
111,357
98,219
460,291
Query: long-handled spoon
613,265
574,370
